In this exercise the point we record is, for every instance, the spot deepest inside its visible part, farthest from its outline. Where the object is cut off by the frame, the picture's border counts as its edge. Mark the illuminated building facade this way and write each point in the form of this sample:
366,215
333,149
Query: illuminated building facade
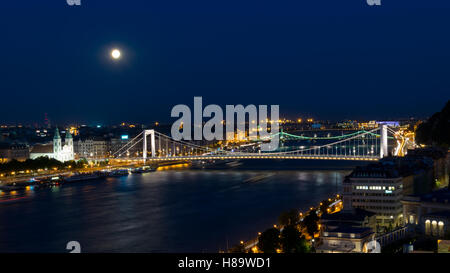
10,151
376,188
91,148
345,240
55,150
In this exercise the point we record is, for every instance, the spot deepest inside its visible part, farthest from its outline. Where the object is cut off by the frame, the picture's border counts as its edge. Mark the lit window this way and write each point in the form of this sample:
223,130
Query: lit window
434,230
427,227
441,228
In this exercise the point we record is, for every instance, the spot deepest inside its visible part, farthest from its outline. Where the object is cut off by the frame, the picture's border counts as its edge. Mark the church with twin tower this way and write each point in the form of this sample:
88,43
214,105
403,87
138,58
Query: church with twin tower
60,152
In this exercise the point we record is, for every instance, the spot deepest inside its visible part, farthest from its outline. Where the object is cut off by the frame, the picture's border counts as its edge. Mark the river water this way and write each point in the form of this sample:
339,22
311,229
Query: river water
175,210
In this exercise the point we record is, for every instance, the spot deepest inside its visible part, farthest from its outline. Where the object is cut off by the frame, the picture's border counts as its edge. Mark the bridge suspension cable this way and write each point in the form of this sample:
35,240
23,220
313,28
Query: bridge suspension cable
128,145
362,145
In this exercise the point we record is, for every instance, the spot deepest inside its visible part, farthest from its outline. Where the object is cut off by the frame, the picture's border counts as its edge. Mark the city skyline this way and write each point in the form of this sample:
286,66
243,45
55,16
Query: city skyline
328,60
190,129
300,119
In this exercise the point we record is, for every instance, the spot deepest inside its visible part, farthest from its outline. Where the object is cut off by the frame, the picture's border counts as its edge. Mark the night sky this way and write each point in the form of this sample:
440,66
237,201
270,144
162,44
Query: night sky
331,59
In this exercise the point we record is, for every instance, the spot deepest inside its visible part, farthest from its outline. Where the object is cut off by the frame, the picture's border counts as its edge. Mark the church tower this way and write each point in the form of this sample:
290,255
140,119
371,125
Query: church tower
56,143
68,142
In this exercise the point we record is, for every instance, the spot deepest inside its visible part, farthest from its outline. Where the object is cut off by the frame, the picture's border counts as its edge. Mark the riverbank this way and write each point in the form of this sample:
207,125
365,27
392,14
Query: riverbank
25,177
331,205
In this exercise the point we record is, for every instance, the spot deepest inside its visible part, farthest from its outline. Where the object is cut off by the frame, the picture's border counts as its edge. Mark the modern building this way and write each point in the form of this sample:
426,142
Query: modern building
429,213
376,188
55,150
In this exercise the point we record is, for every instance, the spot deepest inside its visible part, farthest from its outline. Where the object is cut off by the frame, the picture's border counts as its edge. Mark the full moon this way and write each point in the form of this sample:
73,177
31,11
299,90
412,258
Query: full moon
115,54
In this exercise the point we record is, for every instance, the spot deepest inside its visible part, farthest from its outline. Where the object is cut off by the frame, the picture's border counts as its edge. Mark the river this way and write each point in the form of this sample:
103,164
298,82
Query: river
175,210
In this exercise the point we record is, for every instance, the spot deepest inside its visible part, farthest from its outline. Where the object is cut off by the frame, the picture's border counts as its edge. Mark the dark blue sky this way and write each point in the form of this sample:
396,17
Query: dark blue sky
332,59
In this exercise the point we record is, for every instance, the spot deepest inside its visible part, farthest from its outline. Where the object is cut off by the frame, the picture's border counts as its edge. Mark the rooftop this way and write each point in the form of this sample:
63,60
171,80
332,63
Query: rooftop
348,232
358,215
42,148
377,170
12,146
350,229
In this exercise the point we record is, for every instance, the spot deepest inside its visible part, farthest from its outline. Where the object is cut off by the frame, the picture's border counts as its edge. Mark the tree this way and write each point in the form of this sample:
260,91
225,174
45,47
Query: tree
269,241
239,248
42,162
291,217
311,222
292,241
324,205
436,130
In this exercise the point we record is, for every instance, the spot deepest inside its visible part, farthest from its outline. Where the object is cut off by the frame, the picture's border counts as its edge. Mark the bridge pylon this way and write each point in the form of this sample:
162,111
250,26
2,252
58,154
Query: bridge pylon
152,144
383,141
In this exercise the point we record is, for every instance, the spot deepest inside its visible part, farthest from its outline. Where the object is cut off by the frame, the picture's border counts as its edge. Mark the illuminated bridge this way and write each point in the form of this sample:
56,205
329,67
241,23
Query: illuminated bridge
360,146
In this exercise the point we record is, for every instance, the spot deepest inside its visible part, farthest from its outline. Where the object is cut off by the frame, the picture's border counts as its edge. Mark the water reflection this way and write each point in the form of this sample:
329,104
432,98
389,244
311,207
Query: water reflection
176,210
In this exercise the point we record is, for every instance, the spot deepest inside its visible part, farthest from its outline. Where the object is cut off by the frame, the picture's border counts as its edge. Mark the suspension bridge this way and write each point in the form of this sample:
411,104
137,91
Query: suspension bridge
357,146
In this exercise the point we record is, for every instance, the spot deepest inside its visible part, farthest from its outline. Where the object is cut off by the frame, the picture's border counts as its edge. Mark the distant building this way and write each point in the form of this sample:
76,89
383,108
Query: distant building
374,124
348,124
368,125
92,148
10,151
116,144
389,123
316,126
55,150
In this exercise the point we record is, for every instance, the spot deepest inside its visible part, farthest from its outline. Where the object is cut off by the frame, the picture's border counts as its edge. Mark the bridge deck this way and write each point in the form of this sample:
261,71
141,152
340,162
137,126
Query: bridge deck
225,157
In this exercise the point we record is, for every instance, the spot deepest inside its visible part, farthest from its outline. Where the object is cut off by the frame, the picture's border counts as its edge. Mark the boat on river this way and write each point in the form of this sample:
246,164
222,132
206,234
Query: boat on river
119,173
81,177
145,169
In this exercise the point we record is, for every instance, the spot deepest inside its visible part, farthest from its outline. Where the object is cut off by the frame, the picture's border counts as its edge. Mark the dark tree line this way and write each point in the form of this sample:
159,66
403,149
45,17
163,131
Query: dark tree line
40,163
287,239
436,130
287,236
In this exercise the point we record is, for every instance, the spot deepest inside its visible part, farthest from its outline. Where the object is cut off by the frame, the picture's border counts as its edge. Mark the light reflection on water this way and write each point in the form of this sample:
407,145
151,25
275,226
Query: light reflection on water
164,211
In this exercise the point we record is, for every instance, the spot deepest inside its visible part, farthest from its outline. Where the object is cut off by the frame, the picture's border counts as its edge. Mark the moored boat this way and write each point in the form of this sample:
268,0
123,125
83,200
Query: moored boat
144,169
81,177
118,173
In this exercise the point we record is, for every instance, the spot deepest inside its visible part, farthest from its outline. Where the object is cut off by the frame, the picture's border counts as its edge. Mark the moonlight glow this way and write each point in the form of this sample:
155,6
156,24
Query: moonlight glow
115,54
